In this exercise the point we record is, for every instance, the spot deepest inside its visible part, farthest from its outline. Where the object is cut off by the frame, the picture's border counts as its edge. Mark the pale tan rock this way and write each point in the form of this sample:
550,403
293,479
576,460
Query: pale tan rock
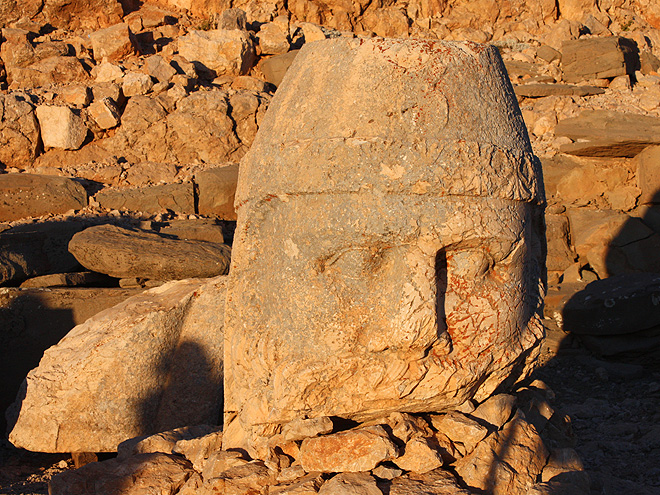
136,83
419,457
367,299
507,462
220,50
166,441
576,10
153,362
200,448
272,39
76,94
405,426
385,472
107,72
61,127
105,113
218,461
139,475
496,410
158,68
350,451
115,42
350,484
464,432
19,132
299,429
312,32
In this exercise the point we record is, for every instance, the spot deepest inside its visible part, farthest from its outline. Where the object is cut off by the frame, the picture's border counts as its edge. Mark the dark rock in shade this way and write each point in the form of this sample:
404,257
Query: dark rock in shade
541,90
275,67
649,63
638,347
124,253
161,473
37,249
617,305
28,195
74,279
608,133
598,58
217,188
154,199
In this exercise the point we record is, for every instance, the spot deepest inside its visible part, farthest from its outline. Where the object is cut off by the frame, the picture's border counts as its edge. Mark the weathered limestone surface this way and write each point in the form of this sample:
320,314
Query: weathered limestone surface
124,253
417,280
149,364
26,195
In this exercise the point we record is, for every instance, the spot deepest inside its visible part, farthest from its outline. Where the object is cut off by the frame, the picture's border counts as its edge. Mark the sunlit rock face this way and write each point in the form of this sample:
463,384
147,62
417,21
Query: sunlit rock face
389,254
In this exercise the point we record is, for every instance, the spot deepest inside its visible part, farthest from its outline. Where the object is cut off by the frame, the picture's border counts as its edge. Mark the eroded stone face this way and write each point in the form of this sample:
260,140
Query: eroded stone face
389,248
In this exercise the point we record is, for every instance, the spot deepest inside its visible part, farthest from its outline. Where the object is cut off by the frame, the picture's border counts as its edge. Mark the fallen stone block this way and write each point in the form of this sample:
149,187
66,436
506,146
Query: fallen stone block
105,113
217,189
124,253
50,71
598,58
150,199
274,68
152,363
141,474
356,450
19,132
73,279
219,51
29,195
608,133
114,43
61,127
648,175
547,89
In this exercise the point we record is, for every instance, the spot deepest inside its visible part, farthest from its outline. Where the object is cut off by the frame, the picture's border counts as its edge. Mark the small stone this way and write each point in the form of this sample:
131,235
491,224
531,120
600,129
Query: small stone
351,484
419,457
217,462
77,95
307,485
61,127
465,433
350,451
219,51
385,472
233,19
272,40
496,410
299,429
136,83
105,113
158,68
115,42
107,72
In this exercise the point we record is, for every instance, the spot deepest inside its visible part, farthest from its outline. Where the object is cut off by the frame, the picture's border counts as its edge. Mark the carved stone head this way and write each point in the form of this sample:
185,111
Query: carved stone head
390,249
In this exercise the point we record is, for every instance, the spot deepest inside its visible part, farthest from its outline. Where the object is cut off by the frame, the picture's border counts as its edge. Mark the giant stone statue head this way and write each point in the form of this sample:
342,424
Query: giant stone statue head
389,254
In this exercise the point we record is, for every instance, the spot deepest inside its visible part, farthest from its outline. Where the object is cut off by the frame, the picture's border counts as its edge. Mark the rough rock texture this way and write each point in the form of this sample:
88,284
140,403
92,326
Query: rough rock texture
61,127
350,451
32,320
418,262
123,253
154,199
598,58
115,42
29,195
217,190
33,250
608,133
141,475
19,131
221,51
149,364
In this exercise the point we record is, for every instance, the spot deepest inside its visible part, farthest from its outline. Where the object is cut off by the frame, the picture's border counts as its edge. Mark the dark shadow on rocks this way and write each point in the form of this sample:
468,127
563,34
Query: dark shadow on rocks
191,392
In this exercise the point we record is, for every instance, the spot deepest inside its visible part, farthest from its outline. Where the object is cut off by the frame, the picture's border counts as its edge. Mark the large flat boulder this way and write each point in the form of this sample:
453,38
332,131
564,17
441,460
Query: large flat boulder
608,133
29,195
150,364
381,175
125,253
151,199
598,58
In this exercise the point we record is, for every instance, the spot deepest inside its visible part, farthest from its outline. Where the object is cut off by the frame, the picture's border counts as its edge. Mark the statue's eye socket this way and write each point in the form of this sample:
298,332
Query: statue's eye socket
469,264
